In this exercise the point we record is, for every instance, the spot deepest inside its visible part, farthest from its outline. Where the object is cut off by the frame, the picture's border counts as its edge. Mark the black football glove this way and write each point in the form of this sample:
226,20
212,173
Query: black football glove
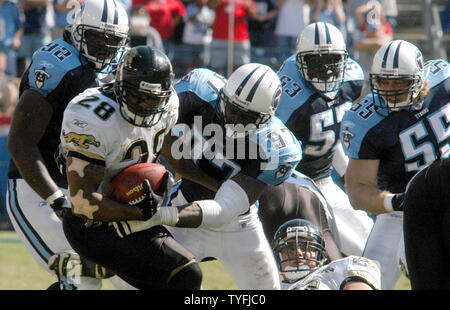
60,205
151,202
397,202
149,206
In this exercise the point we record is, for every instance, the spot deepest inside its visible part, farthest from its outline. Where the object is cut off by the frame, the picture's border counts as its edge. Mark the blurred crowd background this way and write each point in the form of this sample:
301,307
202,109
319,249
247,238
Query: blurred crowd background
204,33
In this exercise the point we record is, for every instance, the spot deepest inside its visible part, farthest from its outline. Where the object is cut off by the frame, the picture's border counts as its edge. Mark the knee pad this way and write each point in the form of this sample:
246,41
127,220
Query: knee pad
188,278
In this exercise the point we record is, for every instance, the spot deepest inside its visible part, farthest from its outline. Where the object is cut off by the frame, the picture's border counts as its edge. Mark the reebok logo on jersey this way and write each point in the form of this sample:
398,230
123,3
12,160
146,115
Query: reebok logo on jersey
81,140
79,123
41,76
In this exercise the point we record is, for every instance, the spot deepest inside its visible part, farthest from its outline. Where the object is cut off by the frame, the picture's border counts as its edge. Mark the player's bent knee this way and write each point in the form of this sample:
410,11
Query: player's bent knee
188,277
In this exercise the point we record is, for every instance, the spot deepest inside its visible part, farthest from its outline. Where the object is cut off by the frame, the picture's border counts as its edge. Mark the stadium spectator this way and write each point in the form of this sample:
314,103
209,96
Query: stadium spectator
141,33
293,16
9,88
9,93
11,31
164,16
372,33
238,37
197,36
333,13
390,135
445,17
262,26
36,30
390,11
64,12
351,23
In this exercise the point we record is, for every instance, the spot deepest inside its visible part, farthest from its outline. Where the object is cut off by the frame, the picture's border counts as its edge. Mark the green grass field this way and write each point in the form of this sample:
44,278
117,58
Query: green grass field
18,271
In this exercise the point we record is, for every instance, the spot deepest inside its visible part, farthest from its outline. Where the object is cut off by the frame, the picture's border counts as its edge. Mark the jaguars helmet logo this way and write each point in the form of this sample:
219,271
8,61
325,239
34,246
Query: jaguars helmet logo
81,140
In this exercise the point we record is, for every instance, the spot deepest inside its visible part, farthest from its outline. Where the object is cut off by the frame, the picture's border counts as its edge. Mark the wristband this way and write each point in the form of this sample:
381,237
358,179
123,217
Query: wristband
51,199
388,202
169,215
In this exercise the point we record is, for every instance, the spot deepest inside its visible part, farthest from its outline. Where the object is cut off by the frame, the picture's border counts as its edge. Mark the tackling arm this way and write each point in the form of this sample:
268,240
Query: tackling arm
233,198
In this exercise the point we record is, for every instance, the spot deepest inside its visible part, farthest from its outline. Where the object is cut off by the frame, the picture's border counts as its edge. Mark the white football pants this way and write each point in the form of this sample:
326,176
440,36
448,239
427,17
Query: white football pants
385,245
353,226
240,246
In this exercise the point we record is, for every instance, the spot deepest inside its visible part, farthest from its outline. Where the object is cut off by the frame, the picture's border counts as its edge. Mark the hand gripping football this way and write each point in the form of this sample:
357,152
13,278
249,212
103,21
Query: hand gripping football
127,186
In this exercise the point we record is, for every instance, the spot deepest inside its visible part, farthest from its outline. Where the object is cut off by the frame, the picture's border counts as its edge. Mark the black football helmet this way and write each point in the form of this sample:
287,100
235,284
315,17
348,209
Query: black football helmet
288,237
144,84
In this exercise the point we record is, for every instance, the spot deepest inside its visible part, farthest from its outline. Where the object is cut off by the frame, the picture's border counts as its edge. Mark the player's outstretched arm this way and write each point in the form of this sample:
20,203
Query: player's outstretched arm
84,179
234,197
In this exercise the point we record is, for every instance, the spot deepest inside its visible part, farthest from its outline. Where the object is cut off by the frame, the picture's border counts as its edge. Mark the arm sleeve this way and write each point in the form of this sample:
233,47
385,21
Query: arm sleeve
230,201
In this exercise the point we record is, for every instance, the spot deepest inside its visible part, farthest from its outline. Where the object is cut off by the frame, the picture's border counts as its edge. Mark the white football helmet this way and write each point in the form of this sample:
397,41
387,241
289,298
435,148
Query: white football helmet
321,56
100,29
401,61
250,97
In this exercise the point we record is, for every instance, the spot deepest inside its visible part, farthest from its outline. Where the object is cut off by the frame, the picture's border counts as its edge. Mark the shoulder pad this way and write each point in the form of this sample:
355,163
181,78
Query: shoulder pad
294,90
50,64
283,152
436,71
356,122
353,71
196,80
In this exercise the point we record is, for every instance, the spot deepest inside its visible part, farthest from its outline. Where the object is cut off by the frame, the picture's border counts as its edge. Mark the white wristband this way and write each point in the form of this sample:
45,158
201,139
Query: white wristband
51,199
169,215
388,202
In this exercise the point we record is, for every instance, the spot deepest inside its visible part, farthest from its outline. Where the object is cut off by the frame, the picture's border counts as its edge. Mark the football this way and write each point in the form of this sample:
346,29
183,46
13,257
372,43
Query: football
127,186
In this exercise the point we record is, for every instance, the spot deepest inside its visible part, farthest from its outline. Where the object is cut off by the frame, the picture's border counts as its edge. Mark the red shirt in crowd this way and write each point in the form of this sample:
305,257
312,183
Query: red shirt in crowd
162,13
385,28
220,26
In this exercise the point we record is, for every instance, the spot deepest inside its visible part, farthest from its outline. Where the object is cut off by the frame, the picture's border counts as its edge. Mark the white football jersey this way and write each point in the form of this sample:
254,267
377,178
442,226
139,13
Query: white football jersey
93,127
331,276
